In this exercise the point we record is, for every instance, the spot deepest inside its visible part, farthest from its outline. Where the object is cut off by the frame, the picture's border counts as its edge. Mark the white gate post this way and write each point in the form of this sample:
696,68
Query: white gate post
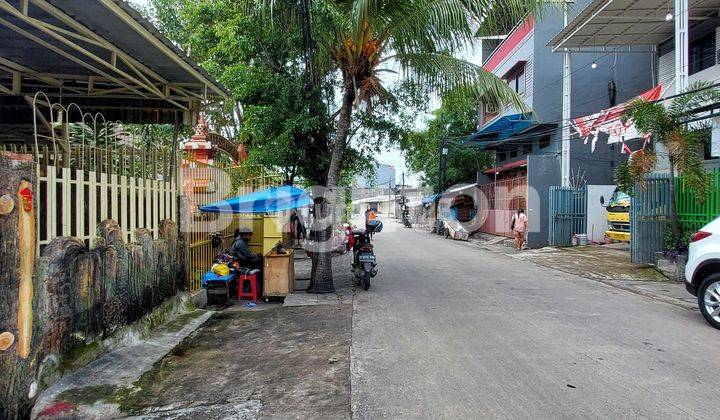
682,13
566,89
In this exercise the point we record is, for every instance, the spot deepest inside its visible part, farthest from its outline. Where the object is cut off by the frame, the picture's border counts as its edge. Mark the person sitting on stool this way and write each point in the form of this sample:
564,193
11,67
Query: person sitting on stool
241,251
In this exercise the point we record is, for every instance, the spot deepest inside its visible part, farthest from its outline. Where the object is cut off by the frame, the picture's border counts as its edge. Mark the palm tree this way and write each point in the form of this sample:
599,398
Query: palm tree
669,127
358,40
364,38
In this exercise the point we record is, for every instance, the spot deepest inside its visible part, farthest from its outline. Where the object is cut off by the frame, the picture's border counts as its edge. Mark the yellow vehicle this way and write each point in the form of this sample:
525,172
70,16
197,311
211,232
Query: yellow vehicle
618,216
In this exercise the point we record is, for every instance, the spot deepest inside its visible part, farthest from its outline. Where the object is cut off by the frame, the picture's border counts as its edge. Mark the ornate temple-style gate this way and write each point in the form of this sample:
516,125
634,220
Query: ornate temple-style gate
205,182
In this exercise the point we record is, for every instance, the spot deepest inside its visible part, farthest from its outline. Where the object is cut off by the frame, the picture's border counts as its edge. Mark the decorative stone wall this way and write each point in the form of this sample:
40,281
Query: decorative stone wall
55,311
18,326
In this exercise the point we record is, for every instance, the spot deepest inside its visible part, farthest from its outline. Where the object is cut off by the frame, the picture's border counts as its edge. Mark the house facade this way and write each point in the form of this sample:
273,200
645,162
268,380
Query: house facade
683,37
527,145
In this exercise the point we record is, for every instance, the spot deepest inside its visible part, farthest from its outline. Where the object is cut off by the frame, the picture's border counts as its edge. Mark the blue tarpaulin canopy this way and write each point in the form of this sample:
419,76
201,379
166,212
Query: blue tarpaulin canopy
502,128
430,199
264,201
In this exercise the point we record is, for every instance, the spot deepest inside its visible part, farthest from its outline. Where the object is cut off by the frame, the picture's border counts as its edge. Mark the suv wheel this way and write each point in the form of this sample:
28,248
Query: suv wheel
709,299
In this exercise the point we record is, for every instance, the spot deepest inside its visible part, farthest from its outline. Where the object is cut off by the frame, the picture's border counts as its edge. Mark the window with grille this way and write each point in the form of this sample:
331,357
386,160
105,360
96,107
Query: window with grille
702,53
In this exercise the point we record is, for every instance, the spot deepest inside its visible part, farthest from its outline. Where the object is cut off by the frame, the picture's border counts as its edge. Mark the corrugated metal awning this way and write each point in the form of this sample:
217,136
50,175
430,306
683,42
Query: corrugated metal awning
501,128
507,166
102,55
620,23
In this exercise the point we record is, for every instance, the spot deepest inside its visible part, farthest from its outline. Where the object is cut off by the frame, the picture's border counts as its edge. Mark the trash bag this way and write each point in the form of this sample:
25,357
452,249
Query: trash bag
220,269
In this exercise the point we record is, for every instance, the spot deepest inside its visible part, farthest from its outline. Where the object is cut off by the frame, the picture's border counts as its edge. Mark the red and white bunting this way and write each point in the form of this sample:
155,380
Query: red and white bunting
609,121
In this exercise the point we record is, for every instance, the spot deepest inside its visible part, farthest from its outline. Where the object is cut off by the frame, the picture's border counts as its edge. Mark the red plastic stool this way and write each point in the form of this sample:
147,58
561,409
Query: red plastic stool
251,277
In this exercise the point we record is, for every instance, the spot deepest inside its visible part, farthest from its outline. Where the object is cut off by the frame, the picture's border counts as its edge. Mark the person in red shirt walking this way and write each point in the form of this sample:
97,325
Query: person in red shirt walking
519,225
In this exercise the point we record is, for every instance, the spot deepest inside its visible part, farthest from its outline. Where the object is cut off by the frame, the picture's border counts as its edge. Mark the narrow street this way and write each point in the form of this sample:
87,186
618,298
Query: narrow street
451,331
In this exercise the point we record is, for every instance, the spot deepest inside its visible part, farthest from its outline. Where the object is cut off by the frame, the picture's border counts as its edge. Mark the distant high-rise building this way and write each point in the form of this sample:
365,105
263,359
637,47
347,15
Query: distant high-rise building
384,176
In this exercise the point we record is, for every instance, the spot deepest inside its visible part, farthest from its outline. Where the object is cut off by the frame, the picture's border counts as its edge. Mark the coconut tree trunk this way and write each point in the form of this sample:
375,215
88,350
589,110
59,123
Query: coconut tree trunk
321,280
322,277
343,128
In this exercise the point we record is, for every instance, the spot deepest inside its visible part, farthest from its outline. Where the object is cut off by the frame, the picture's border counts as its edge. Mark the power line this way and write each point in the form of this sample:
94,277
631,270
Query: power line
568,123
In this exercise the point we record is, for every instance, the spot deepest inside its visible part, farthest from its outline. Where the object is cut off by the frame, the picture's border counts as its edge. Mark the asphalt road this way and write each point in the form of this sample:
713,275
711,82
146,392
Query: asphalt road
451,331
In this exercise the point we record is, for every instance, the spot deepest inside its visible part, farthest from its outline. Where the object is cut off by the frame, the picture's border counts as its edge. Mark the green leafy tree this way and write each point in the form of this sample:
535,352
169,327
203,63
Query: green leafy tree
669,127
357,40
260,62
346,45
283,121
454,119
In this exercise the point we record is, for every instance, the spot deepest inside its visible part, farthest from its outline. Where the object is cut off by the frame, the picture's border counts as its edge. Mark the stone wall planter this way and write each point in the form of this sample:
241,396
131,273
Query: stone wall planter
672,266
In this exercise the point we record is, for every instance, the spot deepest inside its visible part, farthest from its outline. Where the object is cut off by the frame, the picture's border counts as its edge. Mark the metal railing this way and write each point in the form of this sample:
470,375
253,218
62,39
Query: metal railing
504,197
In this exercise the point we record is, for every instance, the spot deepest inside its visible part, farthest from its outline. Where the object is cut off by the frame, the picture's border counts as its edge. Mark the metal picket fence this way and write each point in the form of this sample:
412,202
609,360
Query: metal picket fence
80,185
649,218
691,214
568,214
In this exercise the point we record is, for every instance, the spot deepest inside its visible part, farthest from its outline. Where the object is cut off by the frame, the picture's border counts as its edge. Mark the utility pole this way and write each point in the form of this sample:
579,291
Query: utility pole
390,195
566,90
441,181
443,163
402,195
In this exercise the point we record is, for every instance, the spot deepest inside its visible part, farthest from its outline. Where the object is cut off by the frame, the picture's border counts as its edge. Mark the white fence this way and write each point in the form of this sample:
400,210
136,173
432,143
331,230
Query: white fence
79,186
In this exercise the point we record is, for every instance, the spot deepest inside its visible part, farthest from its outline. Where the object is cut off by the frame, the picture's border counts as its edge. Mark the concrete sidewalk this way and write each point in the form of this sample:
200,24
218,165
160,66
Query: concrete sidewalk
74,395
609,264
242,363
344,282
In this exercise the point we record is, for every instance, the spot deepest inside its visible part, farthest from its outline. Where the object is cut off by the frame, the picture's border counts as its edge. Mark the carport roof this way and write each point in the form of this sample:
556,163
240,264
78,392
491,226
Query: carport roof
619,23
97,53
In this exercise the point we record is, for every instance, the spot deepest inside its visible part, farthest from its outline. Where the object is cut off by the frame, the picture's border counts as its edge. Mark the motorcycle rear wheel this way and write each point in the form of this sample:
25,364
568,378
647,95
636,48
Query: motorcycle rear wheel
366,280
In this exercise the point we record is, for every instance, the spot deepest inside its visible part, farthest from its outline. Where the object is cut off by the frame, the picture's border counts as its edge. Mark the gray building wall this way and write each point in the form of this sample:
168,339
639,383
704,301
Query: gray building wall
543,172
632,74
547,77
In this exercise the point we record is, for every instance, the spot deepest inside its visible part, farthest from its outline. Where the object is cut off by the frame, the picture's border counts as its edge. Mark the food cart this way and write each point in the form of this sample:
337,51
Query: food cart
278,263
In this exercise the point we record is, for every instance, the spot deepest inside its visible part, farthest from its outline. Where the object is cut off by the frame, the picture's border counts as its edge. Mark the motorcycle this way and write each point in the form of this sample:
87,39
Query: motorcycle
406,219
364,264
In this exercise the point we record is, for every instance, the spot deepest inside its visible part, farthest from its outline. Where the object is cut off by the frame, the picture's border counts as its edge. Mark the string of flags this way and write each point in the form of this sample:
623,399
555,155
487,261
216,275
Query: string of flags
609,121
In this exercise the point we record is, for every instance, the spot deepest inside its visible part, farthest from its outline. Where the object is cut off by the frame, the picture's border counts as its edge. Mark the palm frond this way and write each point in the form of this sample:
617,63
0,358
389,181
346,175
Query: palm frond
428,26
447,25
641,163
362,10
649,117
444,72
697,95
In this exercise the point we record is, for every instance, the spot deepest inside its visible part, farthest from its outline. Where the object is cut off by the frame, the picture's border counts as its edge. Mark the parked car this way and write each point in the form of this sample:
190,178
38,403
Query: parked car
702,271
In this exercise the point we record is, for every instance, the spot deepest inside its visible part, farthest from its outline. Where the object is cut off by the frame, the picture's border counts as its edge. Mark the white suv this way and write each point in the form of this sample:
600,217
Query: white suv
702,272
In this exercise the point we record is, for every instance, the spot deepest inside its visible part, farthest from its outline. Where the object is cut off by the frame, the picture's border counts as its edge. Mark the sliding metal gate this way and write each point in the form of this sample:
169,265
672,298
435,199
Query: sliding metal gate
649,218
568,214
